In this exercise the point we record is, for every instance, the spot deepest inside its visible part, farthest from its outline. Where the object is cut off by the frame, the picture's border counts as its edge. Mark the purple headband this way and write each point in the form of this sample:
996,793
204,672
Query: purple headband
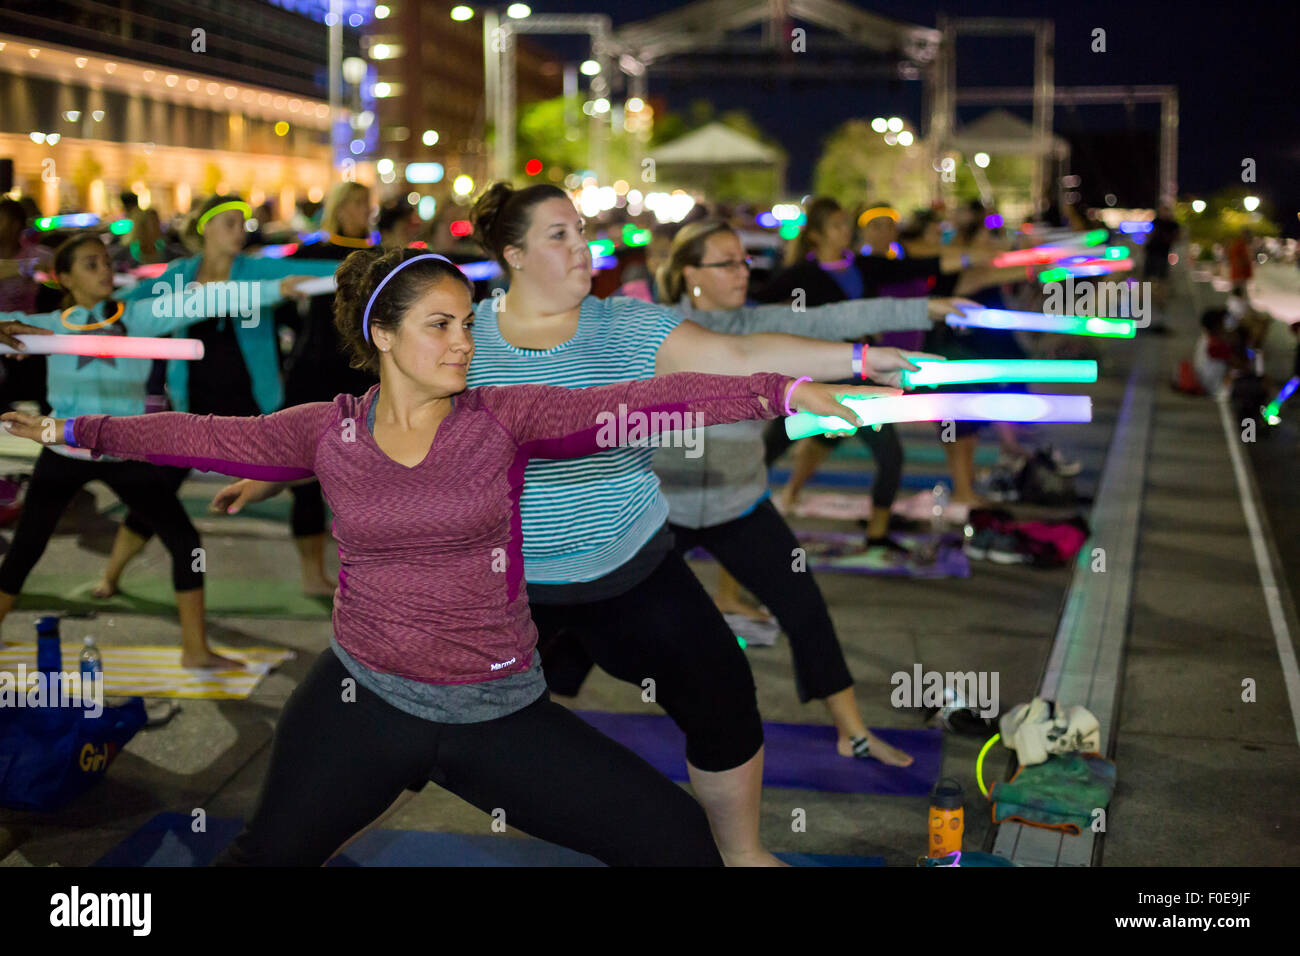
365,319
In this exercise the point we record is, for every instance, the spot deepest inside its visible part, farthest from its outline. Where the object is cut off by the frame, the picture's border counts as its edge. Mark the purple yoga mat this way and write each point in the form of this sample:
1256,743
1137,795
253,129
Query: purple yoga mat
799,756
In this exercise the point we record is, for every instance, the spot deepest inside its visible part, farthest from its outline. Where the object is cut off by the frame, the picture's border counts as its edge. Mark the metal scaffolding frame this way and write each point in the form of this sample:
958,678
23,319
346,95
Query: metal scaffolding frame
1045,96
637,47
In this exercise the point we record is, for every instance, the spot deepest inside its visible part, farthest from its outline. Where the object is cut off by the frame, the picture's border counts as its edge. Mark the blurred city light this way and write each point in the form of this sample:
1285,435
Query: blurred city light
1251,203
589,67
517,11
880,124
895,124
1198,205
462,185
982,160
461,12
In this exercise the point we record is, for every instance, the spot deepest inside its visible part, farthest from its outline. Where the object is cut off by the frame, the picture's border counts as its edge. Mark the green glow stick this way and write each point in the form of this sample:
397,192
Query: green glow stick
946,406
935,372
1096,237
1040,322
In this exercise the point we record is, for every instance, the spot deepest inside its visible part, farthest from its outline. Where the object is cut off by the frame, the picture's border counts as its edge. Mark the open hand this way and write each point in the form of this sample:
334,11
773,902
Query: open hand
819,398
941,308
232,498
39,428
884,364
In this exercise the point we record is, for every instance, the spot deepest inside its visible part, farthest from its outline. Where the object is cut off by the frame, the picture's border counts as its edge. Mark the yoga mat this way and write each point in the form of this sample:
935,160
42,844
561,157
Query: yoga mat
168,840
155,671
828,478
231,597
842,552
800,756
858,507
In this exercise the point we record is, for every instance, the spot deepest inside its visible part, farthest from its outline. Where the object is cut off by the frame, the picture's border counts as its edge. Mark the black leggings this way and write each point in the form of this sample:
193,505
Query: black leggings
666,629
142,487
759,551
336,765
885,447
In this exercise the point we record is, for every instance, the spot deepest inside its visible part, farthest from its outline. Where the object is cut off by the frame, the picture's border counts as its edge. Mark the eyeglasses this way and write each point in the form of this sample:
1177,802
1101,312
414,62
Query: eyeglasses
731,265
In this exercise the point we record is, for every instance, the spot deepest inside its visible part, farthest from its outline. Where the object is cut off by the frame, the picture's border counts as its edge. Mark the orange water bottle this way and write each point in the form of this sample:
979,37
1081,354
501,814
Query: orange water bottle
947,820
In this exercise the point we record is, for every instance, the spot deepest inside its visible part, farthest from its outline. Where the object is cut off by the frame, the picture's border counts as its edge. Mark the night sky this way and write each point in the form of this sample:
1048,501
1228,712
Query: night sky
1236,66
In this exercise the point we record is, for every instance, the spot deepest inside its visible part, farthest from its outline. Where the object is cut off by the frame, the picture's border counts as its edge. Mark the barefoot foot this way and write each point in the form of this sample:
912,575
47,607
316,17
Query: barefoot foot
207,659
877,750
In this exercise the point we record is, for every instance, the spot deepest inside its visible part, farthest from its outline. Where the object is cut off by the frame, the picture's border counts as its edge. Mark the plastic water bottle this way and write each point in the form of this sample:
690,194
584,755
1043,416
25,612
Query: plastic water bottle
49,649
947,818
92,667
938,507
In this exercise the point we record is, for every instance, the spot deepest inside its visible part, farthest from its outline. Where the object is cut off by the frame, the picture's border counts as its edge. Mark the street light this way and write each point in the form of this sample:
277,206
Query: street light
982,160
461,12
880,124
895,124
1251,203
517,11
1198,205
589,68
462,185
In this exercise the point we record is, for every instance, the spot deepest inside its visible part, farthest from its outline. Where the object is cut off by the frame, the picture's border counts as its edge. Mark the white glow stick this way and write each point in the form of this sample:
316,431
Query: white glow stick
108,346
321,285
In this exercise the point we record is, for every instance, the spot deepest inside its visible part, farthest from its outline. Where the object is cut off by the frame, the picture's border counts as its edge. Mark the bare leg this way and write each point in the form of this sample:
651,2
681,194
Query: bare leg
311,556
731,798
729,600
809,456
961,466
878,523
126,545
843,706
195,651
6,605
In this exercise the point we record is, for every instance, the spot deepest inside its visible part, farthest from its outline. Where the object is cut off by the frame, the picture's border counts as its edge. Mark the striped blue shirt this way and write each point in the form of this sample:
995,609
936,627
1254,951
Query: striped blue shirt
584,517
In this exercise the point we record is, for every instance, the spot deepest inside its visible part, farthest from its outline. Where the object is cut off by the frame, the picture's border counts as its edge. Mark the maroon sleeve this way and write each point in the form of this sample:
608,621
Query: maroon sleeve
549,421
277,447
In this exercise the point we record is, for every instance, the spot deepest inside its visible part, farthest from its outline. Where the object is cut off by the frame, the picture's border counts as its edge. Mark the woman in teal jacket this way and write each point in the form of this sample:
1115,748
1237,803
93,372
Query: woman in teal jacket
240,370
86,385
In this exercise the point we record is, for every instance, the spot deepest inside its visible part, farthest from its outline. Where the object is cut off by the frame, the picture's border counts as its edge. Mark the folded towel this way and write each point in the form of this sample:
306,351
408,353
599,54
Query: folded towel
1059,794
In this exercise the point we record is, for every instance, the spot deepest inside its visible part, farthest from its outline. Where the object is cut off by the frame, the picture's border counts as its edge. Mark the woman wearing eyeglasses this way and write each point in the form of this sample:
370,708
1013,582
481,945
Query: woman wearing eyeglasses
719,499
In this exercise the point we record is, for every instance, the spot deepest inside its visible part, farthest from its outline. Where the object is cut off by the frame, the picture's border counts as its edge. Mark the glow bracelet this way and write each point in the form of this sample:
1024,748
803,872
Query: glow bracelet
108,346
1009,320
950,406
998,370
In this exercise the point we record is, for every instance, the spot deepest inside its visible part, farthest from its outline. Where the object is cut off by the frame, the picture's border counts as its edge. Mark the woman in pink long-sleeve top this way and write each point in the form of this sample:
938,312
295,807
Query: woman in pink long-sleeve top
432,671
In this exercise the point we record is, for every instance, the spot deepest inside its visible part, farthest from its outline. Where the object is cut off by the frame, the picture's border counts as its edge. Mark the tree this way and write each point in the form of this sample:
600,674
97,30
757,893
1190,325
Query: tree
857,165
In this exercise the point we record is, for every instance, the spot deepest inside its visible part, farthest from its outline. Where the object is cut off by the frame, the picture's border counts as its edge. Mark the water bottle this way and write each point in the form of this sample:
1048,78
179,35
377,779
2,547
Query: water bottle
49,650
92,667
938,508
947,818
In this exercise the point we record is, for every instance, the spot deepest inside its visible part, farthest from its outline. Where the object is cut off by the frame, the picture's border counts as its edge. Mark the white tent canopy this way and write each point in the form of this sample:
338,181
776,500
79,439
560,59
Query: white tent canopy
716,145
1000,131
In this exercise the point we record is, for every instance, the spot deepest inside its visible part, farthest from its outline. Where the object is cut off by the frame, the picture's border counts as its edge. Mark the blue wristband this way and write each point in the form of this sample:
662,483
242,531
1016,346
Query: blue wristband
69,438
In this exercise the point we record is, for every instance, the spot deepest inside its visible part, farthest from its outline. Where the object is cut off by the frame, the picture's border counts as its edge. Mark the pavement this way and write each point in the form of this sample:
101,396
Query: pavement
1204,777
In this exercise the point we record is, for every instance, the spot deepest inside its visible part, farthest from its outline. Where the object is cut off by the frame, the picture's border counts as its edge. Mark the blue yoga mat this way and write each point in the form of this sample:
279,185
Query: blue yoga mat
168,840
800,756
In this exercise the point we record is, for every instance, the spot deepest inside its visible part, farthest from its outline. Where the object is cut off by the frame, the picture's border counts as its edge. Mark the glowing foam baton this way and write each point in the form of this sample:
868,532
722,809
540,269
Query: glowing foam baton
1009,320
109,346
1037,256
1273,407
1002,370
950,406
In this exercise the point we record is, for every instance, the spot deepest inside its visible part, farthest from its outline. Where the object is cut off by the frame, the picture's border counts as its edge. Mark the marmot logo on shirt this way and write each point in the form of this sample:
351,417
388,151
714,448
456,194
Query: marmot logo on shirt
497,667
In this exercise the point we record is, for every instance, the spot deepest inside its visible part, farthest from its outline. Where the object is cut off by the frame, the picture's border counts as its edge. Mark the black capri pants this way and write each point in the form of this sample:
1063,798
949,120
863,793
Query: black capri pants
886,450
666,629
149,490
337,765
758,549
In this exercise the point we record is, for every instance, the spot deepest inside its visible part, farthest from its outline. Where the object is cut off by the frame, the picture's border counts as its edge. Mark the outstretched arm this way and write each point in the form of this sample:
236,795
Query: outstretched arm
835,322
548,421
278,447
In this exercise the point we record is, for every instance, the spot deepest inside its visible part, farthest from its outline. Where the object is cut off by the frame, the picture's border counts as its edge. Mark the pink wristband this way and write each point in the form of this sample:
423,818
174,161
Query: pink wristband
789,391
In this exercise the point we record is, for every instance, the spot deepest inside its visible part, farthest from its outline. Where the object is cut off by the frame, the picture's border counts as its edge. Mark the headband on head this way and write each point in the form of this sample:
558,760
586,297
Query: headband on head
219,208
876,212
365,319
